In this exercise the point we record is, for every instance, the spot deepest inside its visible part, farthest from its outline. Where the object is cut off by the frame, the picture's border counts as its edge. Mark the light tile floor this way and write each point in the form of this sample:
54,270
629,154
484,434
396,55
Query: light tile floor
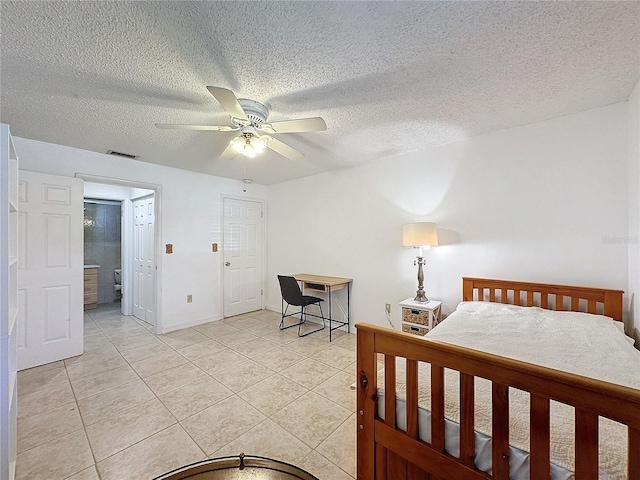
136,405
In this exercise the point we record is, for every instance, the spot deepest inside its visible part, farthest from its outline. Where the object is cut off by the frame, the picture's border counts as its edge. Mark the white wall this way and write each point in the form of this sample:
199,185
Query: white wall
544,202
633,290
190,220
113,192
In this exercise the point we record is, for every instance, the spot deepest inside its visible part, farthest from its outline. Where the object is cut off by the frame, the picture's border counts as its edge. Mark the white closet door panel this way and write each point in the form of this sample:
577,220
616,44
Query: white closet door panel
51,269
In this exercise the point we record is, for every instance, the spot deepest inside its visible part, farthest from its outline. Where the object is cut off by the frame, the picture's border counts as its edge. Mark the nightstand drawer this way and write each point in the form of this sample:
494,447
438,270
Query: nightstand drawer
415,330
90,288
415,316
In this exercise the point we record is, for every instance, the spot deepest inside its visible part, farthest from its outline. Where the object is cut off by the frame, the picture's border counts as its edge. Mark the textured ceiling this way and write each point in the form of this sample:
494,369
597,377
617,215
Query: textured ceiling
388,77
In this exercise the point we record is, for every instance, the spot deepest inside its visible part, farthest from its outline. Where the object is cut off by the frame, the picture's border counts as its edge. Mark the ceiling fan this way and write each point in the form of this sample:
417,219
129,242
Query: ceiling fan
249,117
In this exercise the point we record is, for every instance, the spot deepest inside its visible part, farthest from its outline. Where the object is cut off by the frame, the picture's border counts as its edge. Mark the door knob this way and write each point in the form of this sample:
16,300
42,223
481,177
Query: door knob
227,264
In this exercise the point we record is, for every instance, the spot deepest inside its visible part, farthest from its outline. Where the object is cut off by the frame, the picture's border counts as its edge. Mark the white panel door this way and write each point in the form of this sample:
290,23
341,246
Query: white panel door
144,268
242,245
50,279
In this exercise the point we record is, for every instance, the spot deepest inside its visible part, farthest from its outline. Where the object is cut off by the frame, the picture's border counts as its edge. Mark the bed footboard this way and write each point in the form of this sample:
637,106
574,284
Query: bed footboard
387,452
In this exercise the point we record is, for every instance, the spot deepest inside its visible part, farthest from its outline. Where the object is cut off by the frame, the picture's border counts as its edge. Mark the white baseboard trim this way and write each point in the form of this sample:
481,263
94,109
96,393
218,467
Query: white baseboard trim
192,323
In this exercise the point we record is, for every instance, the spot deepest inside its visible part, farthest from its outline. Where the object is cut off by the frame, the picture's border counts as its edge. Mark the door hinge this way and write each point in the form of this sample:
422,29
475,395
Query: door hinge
261,214
261,292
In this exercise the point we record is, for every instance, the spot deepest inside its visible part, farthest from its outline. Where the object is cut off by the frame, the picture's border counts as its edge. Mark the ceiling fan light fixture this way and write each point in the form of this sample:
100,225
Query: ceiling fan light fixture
238,143
258,144
249,144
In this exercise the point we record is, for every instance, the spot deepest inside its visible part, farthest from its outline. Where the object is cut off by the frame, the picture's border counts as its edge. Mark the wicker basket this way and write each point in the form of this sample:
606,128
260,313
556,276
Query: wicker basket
422,331
415,316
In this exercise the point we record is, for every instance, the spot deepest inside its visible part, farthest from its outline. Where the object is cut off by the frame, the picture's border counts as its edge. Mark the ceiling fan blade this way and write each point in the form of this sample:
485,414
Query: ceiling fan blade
284,149
314,124
229,102
216,128
228,153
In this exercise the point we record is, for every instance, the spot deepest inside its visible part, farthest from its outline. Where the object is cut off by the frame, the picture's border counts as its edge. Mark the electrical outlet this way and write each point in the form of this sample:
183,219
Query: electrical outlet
387,308
189,298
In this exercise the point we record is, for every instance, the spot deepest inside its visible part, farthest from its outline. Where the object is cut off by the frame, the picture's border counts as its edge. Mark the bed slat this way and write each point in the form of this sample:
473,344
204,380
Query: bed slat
390,390
500,431
504,297
397,467
529,299
437,408
540,438
586,445
633,454
381,462
492,295
412,398
544,300
591,306
467,419
559,302
575,304
516,297
415,473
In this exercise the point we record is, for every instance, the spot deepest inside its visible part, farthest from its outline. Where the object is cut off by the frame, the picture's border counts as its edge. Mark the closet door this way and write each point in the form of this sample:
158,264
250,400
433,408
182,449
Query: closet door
51,268
242,245
144,269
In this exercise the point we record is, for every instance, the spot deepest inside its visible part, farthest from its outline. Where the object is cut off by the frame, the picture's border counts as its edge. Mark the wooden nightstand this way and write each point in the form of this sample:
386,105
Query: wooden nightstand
419,318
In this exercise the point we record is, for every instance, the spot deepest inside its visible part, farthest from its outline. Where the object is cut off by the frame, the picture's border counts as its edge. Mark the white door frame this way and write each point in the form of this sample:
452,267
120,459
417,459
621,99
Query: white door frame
127,267
263,280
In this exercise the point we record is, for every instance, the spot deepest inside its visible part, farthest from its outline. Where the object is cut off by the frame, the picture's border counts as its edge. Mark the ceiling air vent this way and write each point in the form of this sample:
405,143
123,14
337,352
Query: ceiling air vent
123,155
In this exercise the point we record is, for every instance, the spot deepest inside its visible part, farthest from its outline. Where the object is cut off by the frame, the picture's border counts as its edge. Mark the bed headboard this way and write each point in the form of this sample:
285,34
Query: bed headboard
553,297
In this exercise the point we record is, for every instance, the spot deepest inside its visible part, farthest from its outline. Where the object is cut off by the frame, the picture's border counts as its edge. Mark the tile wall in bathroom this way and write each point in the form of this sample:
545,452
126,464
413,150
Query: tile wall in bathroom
102,239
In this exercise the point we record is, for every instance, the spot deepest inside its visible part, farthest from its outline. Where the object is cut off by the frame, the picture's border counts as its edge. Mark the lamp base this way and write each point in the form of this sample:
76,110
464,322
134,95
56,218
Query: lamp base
420,297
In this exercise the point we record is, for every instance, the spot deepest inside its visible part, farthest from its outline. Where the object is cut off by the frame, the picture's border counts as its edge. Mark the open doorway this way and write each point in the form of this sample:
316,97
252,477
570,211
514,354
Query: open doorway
102,253
124,284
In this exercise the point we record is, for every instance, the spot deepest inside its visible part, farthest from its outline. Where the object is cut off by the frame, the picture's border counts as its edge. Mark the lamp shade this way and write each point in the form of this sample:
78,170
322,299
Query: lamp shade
419,234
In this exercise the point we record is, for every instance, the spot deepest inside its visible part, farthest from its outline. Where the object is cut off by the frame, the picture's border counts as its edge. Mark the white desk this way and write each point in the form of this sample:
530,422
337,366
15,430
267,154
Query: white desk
328,285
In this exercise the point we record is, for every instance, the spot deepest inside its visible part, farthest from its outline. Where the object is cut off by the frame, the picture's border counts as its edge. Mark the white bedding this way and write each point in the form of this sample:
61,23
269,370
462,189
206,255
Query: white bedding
584,344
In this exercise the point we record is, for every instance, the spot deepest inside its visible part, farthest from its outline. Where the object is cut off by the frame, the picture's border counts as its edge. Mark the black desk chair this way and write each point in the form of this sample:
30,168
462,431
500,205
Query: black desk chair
292,295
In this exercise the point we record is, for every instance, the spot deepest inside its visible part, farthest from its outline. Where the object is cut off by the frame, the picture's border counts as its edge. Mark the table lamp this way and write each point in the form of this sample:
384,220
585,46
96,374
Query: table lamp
420,235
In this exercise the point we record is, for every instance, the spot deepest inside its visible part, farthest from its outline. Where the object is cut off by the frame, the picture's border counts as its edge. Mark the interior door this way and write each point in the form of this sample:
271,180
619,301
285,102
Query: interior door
144,268
242,246
50,264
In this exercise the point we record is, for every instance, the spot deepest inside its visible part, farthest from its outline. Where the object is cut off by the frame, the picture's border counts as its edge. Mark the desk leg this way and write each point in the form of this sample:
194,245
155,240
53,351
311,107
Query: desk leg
349,307
330,317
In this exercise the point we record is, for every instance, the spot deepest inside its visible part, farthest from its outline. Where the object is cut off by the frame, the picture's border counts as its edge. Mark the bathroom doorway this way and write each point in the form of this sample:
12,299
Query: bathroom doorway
115,273
102,252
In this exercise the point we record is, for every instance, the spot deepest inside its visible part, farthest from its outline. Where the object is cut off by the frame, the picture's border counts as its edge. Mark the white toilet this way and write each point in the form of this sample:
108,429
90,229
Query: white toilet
117,273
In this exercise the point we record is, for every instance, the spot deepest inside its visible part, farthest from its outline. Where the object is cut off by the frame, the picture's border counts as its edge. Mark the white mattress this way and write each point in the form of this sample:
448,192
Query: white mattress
589,345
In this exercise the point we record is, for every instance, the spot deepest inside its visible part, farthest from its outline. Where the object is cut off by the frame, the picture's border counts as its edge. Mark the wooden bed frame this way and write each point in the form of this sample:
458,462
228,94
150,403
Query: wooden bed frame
386,452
